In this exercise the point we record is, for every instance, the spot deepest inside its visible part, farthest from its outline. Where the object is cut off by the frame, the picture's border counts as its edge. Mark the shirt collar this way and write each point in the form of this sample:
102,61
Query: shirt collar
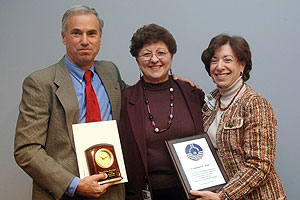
76,71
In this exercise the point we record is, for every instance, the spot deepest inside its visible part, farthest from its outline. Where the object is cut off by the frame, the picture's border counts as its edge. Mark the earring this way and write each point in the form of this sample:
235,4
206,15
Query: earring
141,75
241,74
171,73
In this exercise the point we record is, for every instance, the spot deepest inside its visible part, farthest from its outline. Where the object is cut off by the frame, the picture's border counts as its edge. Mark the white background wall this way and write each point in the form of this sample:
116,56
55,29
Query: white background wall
30,40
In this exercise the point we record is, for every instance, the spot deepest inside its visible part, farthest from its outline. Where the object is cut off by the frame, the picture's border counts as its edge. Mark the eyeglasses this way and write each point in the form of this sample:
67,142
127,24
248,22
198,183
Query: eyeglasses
148,56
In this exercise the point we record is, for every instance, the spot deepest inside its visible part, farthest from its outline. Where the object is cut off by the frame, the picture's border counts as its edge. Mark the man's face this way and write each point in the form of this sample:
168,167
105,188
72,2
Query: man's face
82,39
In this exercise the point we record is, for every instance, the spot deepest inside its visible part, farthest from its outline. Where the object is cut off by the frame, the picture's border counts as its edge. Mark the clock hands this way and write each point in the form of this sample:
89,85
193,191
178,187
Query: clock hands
103,157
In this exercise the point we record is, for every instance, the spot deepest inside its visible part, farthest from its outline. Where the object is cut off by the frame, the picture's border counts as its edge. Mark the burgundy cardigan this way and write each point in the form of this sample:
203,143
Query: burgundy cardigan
132,132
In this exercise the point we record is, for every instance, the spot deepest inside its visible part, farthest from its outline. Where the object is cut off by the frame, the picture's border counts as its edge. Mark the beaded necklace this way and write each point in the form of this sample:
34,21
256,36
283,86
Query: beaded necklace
151,118
223,109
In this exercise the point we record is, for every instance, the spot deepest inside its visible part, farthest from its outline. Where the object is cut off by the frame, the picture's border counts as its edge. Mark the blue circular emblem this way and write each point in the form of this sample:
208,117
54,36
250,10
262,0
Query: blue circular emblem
194,151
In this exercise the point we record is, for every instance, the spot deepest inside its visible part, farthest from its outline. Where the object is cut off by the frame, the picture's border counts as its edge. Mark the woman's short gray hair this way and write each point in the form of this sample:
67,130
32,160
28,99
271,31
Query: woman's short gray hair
80,9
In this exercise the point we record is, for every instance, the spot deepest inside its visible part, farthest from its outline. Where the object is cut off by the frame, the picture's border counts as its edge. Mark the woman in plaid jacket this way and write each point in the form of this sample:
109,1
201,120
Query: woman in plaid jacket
241,125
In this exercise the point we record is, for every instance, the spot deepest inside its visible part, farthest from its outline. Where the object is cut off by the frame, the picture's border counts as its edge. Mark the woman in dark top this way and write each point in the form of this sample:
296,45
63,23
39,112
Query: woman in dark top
154,110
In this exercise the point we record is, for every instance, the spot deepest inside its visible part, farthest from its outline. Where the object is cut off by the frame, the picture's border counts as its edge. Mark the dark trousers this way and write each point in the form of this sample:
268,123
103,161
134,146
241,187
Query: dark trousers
175,193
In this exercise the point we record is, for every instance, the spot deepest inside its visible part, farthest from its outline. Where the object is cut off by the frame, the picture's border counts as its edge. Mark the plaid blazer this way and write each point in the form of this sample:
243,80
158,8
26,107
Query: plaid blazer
246,141
44,146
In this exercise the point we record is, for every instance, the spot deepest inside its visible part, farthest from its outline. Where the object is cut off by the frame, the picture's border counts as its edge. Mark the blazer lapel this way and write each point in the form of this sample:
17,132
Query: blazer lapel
67,96
190,94
208,114
112,88
136,114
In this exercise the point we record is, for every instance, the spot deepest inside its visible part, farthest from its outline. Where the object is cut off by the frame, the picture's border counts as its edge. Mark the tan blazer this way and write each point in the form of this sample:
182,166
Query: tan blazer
44,146
246,140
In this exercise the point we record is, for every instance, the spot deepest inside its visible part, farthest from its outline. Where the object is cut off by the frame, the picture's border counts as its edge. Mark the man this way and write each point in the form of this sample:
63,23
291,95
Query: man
53,99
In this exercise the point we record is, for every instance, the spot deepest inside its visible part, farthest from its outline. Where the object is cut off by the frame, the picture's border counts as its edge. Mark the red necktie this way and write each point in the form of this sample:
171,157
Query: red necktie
92,107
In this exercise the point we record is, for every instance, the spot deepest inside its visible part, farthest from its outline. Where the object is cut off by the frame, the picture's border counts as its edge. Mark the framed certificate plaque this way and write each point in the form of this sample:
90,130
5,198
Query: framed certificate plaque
197,164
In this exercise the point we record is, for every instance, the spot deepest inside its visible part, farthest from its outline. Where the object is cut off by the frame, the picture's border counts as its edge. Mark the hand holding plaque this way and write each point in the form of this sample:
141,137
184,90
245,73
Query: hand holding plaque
197,164
98,150
101,158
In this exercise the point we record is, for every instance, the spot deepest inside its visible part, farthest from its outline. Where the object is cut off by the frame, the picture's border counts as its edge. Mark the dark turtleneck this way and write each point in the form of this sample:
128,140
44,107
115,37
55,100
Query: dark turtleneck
161,170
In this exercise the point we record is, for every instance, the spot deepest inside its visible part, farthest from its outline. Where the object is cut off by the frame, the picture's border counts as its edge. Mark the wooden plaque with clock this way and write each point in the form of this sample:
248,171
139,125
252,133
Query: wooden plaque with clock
101,158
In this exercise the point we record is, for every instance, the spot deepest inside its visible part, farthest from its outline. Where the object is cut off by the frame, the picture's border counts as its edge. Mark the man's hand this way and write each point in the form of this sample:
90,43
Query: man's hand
193,84
89,186
205,195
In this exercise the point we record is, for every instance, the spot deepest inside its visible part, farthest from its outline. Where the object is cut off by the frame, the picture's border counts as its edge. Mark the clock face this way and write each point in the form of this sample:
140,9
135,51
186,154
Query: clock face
104,158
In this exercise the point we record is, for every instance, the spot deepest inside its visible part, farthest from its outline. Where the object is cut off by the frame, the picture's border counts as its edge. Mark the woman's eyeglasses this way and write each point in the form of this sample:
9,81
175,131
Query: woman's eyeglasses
148,56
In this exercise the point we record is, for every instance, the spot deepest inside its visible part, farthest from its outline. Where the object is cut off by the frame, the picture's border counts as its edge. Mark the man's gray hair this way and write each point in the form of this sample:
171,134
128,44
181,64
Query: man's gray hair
80,9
